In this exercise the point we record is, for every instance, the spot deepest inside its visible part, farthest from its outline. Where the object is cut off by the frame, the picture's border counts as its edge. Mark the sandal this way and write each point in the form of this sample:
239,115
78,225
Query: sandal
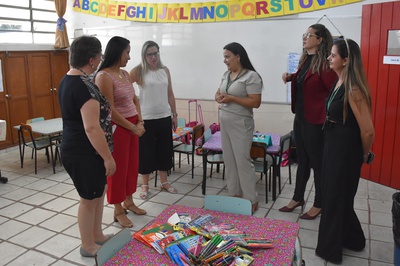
133,208
171,189
123,220
144,194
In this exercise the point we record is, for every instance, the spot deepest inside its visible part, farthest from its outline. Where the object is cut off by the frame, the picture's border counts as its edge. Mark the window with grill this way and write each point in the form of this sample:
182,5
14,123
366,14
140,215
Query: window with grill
27,21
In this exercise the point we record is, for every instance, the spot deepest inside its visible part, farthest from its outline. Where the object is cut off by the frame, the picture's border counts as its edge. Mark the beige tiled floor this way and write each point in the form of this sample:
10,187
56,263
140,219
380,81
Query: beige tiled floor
38,224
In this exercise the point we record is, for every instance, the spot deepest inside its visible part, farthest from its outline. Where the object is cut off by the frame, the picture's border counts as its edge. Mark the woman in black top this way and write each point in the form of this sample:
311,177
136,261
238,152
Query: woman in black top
349,134
87,139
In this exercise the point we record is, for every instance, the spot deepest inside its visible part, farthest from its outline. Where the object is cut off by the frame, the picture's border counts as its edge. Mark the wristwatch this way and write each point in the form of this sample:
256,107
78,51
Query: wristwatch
175,114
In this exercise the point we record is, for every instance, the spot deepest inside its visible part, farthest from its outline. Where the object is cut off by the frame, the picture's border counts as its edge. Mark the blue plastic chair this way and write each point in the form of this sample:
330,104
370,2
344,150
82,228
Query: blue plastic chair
227,204
181,122
112,246
212,157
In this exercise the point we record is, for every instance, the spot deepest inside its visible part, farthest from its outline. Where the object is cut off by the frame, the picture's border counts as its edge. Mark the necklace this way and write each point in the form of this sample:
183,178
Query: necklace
332,97
84,73
229,83
120,74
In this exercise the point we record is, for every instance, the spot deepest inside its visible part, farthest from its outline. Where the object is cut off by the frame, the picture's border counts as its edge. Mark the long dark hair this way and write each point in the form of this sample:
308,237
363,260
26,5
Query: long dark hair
353,71
323,51
112,56
238,49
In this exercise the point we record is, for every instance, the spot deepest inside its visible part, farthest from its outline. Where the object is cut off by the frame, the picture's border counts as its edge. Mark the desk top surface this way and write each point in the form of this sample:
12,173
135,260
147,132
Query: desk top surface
282,234
47,127
214,143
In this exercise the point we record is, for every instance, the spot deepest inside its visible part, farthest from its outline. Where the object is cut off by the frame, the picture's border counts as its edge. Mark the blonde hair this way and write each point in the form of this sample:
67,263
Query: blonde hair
143,67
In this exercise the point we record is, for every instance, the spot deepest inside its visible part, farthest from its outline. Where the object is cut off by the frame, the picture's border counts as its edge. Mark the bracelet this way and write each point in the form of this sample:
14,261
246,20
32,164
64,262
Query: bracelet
133,127
174,114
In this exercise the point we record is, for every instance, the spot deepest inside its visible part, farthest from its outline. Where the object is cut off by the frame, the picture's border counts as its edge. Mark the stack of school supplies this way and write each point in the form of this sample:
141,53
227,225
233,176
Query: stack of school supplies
208,226
138,235
152,235
178,251
215,252
204,240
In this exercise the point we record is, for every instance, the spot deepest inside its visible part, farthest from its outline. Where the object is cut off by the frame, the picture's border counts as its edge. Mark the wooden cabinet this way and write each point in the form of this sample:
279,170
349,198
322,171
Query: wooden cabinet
30,86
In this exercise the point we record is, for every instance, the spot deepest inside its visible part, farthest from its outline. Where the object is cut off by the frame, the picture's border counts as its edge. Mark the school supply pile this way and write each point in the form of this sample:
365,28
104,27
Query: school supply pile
204,240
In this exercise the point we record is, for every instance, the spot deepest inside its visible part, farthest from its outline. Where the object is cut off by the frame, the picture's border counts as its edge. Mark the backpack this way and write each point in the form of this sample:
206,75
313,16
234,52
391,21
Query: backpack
215,127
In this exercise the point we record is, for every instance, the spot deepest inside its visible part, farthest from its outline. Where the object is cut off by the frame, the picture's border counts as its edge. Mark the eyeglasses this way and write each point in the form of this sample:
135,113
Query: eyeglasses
156,54
308,35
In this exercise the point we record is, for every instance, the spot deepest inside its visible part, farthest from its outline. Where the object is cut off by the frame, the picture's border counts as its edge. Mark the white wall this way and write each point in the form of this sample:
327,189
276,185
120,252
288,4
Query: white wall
193,52
268,53
196,72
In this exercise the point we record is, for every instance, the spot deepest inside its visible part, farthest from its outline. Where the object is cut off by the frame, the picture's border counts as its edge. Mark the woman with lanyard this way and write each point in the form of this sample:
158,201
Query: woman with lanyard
349,135
238,93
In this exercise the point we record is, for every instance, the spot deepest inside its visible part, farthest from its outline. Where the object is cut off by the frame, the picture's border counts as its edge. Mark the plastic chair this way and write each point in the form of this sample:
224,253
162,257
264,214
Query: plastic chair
285,145
181,122
56,138
112,246
213,158
258,154
298,254
33,120
227,204
57,154
26,134
189,149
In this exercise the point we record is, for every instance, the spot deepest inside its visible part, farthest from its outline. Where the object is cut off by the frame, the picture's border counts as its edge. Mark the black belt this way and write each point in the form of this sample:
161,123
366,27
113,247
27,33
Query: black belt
329,122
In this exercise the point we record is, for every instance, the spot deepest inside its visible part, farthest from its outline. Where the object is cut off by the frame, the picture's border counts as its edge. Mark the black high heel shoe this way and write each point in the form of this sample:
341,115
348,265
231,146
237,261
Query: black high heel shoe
287,209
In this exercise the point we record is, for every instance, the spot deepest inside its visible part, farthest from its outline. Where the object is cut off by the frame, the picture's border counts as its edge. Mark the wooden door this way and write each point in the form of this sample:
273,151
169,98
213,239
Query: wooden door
4,114
59,66
16,90
41,84
384,81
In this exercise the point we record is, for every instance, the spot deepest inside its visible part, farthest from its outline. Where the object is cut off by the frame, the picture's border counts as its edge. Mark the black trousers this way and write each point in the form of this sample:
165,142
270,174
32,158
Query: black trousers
339,226
309,148
155,146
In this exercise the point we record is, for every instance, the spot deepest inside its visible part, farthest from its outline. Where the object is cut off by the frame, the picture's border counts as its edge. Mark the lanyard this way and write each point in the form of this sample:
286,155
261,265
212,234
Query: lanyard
229,83
332,97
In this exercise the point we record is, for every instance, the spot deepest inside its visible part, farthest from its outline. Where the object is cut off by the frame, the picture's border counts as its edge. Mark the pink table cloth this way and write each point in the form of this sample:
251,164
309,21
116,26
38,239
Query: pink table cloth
214,143
282,234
